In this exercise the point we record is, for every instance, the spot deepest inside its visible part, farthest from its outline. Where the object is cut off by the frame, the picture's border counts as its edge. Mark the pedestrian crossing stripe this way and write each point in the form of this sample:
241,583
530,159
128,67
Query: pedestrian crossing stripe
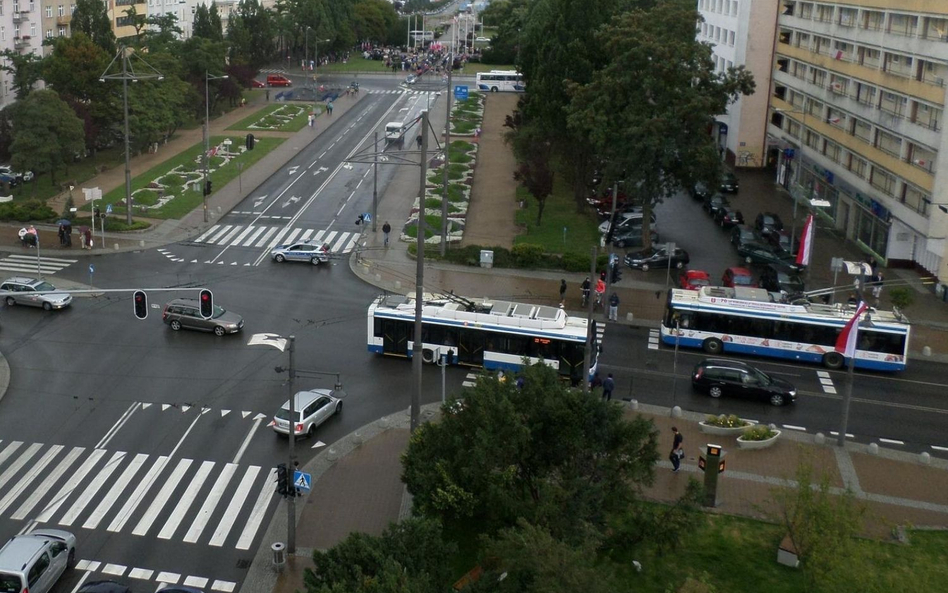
164,577
28,264
70,493
270,236
653,337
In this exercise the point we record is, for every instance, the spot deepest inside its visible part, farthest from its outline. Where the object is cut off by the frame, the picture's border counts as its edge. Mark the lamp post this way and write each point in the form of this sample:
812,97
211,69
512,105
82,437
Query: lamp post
128,73
447,160
316,65
793,220
207,136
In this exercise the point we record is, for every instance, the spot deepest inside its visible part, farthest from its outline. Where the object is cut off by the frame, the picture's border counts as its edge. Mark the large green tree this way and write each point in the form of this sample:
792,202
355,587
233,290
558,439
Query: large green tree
90,17
46,134
508,16
250,34
25,68
647,110
544,452
372,20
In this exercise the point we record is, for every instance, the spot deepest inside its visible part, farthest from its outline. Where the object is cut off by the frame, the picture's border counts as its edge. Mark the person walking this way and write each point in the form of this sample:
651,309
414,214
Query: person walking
418,141
88,237
614,307
267,93
877,280
600,292
607,386
562,292
677,452
329,107
585,288
386,229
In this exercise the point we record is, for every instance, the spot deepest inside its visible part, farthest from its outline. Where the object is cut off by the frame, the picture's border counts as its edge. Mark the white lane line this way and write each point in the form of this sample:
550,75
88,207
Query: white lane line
213,229
351,244
467,384
199,582
835,433
171,578
341,208
242,235
140,573
118,425
48,483
822,374
82,580
250,241
220,234
292,236
114,569
185,435
136,498
10,450
204,515
276,239
322,155
330,237
265,237
305,236
32,258
826,381
16,466
31,475
106,503
71,485
258,512
829,389
237,501
243,446
939,448
159,502
184,503
92,489
792,427
891,441
338,245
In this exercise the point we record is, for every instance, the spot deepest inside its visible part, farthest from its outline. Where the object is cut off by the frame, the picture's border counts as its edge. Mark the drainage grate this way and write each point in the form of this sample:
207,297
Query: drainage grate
243,564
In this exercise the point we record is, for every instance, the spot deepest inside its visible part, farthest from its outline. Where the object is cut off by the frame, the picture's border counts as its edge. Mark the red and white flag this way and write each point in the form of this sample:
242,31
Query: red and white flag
806,243
846,342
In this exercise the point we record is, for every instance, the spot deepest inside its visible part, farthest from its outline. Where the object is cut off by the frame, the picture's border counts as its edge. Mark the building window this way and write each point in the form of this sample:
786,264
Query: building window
49,11
858,166
889,143
865,94
915,199
894,104
16,7
847,17
862,130
883,181
49,33
873,20
832,151
62,31
62,10
936,28
872,231
32,29
32,7
870,58
903,24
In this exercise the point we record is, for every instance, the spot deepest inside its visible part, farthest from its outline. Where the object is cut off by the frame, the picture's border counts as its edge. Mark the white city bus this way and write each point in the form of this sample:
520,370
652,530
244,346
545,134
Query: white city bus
490,334
500,80
750,321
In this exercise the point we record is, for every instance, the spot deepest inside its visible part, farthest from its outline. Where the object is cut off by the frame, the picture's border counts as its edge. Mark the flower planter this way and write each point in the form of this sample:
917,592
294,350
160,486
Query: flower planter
722,430
742,444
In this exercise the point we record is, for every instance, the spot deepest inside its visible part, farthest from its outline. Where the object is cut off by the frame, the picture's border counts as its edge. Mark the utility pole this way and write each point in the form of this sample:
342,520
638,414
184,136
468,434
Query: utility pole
416,348
447,161
375,184
291,465
590,336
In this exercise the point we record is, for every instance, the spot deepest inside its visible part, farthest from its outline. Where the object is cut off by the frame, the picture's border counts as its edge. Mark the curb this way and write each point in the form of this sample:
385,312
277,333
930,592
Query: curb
4,375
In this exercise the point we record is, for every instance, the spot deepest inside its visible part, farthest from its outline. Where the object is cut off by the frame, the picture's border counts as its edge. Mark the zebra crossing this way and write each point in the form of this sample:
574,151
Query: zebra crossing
82,487
653,339
27,264
161,577
258,236
400,92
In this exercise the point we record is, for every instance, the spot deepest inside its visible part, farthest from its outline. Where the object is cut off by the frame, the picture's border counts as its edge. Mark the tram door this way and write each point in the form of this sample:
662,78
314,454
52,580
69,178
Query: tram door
471,348
395,336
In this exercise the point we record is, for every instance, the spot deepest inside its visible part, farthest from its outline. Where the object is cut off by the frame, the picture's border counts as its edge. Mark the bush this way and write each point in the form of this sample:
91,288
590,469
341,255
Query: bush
902,297
33,210
759,432
527,255
67,209
725,421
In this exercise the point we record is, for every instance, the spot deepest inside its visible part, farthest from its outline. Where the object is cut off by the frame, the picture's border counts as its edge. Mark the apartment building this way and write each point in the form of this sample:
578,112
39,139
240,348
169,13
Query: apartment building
741,33
20,30
857,108
54,19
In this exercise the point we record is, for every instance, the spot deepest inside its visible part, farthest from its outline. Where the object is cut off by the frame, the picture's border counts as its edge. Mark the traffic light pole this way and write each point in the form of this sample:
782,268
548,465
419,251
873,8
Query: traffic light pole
291,466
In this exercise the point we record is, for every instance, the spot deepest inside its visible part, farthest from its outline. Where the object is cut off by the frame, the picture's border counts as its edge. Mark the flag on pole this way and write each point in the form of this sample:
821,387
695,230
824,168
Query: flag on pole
806,243
846,342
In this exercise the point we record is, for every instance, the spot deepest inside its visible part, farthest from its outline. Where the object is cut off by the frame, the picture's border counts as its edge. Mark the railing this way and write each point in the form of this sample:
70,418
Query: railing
64,19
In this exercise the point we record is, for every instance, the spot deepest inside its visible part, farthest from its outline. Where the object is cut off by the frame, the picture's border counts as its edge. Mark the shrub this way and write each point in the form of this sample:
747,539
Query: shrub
901,297
725,421
26,211
759,432
527,255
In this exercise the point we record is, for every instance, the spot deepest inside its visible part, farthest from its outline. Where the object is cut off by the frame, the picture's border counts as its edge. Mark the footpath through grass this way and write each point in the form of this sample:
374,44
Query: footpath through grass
581,228
278,117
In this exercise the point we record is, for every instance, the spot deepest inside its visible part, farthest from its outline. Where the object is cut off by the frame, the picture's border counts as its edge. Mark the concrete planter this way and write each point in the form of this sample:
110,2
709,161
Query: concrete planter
722,430
742,444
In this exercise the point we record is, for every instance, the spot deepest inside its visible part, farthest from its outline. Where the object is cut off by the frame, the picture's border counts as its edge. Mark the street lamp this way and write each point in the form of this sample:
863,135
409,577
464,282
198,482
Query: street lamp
128,73
316,59
793,221
207,135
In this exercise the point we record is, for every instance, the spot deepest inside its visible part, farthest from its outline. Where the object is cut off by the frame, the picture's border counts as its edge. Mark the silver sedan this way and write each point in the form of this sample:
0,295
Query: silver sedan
21,290
314,252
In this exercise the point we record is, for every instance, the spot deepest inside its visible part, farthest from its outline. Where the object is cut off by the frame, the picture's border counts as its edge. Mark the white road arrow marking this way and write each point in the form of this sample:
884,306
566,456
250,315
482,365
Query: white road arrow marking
318,444
224,413
205,410
243,446
165,407
320,170
185,408
258,201
194,261
245,414
383,158
145,406
292,200
347,166
259,417
293,170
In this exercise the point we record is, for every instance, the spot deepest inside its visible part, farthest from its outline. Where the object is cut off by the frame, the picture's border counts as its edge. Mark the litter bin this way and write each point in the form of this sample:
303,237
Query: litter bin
487,258
279,554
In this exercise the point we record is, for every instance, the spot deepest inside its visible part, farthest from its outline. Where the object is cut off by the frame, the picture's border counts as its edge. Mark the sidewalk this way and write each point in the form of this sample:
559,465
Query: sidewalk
359,475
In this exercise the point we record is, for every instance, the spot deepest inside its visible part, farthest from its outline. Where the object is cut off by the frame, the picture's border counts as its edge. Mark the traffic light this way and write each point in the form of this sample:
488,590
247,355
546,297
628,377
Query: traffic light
140,302
250,141
207,187
207,304
281,479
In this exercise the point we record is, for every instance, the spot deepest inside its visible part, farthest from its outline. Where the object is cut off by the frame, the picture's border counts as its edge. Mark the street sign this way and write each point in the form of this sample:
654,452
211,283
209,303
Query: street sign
366,217
460,92
91,269
818,203
836,264
108,208
302,481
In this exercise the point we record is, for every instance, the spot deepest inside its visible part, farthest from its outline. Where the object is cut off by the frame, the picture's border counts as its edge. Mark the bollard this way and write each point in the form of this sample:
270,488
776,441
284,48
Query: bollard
141,243
925,457
926,351
873,448
279,555
357,438
819,438
116,245
332,454
633,404
398,285
378,277
676,412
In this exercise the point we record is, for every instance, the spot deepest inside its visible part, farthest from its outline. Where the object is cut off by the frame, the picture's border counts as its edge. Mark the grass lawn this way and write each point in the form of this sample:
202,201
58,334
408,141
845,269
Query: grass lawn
560,211
41,188
191,198
266,117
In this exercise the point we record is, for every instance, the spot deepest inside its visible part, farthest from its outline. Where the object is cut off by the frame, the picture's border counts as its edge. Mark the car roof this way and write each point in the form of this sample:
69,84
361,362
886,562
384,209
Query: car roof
23,280
105,587
19,550
740,270
724,362
304,398
697,274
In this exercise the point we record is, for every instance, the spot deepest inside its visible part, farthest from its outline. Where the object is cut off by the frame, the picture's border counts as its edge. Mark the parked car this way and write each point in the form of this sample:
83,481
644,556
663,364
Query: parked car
783,240
186,314
728,217
604,207
106,587
768,223
256,84
626,219
314,252
714,203
278,80
734,277
657,256
719,377
24,291
700,192
762,253
631,236
744,234
8,179
729,183
34,561
694,279
778,279
311,408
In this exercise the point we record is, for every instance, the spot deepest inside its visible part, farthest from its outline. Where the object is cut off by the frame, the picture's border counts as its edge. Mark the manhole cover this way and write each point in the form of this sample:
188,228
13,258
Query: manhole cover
243,564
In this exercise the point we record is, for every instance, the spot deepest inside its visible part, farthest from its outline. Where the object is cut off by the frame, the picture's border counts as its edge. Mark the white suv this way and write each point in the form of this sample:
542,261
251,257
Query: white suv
312,408
35,561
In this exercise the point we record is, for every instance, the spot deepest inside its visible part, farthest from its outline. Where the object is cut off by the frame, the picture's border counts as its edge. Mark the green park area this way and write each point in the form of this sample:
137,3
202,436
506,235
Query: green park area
278,117
562,229
173,188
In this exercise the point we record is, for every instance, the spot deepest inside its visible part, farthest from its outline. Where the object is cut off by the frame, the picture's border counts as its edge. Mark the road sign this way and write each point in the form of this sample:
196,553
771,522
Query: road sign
108,208
91,269
302,481
366,217
460,92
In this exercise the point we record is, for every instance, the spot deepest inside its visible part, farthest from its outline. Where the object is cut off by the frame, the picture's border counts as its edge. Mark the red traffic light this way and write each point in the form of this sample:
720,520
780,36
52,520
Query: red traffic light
207,304
140,304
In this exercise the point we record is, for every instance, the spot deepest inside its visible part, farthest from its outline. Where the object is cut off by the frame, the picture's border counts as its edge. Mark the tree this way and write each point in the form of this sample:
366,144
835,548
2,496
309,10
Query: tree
163,31
217,28
508,16
372,20
647,111
250,33
544,452
409,557
138,22
90,17
533,166
201,25
46,134
25,69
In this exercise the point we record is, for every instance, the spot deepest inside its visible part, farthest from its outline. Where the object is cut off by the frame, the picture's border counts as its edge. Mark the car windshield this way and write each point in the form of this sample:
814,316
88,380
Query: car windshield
43,286
699,282
761,376
218,311
743,280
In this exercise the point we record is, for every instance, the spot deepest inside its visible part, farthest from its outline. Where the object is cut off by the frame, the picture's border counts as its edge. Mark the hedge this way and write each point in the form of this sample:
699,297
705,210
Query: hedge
34,210
523,255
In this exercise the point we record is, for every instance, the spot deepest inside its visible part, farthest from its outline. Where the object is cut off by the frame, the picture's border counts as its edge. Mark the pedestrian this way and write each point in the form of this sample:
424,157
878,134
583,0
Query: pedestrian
267,92
614,307
309,120
877,286
418,141
677,452
386,229
562,292
607,386
82,239
602,275
88,238
329,107
585,289
62,235
600,291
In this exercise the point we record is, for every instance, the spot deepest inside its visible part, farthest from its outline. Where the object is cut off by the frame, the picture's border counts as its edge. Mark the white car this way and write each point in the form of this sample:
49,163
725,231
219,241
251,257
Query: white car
36,560
411,79
314,252
483,39
311,408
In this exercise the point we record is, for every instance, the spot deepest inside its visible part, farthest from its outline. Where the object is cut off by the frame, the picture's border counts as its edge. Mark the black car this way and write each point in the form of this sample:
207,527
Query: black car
714,203
720,377
729,183
768,223
744,234
631,236
657,257
700,192
774,278
763,253
783,240
728,217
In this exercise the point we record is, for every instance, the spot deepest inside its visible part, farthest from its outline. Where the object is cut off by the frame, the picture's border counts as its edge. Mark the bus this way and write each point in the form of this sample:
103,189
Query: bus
423,36
753,321
500,80
495,335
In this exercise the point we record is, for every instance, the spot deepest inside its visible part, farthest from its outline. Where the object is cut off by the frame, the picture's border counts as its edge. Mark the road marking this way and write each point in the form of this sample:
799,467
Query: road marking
171,578
140,573
31,475
849,435
19,463
237,501
305,235
114,569
939,448
220,234
117,426
48,483
82,580
276,240
136,498
891,441
200,521
793,427
9,450
185,435
199,582
292,236
225,586
159,502
70,486
106,503
243,446
207,233
184,503
340,244
318,444
92,489
249,242
87,565
266,237
241,236
258,512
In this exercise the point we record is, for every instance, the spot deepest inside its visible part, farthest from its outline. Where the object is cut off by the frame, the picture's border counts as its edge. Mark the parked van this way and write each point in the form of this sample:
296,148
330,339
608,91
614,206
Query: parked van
394,131
277,80
35,561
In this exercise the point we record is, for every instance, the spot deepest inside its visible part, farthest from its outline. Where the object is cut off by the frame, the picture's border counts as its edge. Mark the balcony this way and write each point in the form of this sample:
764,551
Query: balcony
19,17
21,42
64,19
